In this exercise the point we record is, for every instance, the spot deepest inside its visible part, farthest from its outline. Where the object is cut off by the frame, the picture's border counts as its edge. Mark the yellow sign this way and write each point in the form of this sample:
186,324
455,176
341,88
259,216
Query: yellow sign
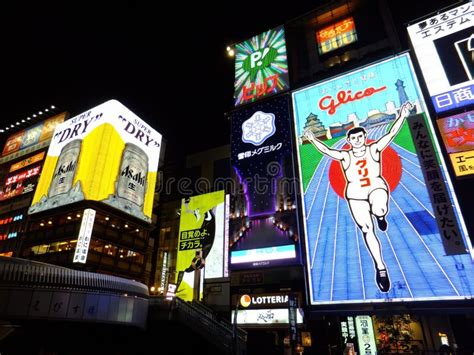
197,229
463,162
306,339
28,161
106,154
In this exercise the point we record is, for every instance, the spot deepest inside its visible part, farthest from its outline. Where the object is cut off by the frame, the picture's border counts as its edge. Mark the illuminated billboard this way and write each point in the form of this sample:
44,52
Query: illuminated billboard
200,243
338,35
28,161
261,67
31,139
381,219
105,154
443,45
269,309
20,183
458,136
263,229
84,237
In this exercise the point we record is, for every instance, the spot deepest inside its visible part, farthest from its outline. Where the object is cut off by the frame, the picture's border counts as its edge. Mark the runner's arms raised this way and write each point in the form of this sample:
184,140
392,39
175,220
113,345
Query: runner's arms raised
385,140
323,148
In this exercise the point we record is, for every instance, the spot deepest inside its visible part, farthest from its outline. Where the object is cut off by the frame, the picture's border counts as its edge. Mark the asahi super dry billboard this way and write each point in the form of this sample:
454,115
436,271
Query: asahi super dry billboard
105,154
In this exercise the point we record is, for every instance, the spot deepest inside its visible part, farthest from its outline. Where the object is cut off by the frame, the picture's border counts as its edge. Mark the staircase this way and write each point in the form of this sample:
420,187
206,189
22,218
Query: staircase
202,320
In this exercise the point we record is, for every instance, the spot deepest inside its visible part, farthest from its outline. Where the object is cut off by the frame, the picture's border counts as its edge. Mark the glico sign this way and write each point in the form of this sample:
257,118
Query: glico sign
381,222
105,154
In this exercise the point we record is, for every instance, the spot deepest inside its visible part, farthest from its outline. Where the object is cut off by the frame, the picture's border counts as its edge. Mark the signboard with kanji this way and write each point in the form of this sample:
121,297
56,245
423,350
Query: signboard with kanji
382,222
200,241
261,67
443,47
264,225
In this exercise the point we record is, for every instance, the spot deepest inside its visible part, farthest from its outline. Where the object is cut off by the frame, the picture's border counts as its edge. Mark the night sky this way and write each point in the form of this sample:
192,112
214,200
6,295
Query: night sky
168,63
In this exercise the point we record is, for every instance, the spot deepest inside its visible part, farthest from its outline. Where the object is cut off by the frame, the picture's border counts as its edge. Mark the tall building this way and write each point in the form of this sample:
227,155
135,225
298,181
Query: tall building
93,211
21,164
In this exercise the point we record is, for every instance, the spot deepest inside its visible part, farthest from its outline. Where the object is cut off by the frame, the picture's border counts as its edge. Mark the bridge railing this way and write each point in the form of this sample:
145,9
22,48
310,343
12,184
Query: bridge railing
25,273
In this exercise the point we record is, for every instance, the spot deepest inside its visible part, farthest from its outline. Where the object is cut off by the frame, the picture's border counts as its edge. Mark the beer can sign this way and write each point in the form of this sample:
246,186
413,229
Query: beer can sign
131,183
65,169
105,154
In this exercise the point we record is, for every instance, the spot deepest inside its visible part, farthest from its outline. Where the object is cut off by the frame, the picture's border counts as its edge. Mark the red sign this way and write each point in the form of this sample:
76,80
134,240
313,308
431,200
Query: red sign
13,143
343,97
458,132
337,35
23,175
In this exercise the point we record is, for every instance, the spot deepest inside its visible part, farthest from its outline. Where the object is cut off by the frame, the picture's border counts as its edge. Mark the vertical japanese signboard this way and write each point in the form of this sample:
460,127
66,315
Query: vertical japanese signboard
443,45
382,221
200,243
261,67
84,237
365,335
264,228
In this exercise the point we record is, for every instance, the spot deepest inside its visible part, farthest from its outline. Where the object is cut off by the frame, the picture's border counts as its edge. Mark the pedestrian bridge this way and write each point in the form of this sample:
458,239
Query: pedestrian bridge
31,290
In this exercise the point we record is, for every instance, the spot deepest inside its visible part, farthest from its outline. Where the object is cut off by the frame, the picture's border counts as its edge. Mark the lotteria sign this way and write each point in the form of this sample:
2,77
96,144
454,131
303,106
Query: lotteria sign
263,301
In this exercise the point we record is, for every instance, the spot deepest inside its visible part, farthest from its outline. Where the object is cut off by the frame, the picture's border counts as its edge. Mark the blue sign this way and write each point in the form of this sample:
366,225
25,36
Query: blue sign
381,223
263,224
449,100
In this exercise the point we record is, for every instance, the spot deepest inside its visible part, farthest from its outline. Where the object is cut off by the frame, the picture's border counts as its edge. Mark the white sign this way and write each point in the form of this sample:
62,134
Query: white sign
84,238
164,270
258,128
365,335
441,45
266,316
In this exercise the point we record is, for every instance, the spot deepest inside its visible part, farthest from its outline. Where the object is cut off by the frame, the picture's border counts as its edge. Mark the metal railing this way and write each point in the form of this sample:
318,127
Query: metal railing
204,322
16,272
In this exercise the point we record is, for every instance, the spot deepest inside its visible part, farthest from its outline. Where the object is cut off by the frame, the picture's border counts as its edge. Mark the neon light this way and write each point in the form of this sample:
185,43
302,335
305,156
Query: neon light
344,97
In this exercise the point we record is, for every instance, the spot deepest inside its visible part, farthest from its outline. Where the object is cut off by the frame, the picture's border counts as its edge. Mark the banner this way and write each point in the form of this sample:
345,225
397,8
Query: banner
200,243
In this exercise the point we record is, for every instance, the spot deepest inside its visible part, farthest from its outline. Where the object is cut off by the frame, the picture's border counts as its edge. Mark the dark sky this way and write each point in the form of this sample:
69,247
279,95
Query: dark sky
168,65
166,62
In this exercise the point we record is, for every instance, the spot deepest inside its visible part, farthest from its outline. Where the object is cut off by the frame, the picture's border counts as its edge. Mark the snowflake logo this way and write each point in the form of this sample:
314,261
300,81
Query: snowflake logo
258,128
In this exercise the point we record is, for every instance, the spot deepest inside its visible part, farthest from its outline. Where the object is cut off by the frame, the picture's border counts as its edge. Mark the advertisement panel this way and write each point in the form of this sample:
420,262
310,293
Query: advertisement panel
381,219
200,243
365,335
28,161
338,35
31,139
261,67
263,219
458,136
463,163
457,132
105,154
84,237
443,45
